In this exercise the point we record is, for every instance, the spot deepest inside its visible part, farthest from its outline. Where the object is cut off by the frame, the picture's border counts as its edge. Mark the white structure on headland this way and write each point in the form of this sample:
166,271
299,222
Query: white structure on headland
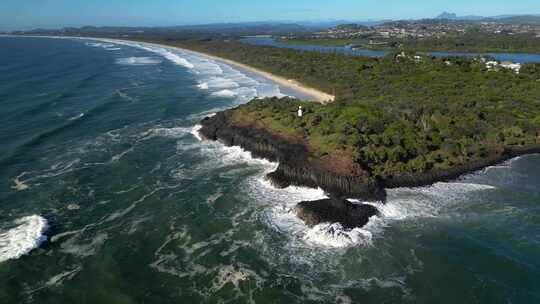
300,111
493,65
516,67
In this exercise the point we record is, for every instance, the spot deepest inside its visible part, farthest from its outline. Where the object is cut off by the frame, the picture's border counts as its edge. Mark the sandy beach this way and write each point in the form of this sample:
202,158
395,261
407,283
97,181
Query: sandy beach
291,84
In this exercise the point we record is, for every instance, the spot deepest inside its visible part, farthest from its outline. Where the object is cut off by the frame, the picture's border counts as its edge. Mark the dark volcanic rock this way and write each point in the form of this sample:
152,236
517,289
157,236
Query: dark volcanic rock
339,186
259,142
428,178
294,169
334,210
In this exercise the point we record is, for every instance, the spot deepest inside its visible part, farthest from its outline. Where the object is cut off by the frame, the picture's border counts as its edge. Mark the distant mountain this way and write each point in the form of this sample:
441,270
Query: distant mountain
264,27
259,28
267,27
454,16
518,19
447,15
528,19
240,28
334,23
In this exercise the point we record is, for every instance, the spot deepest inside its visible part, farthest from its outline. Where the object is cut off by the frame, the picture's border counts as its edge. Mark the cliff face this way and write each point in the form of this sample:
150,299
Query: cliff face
259,142
294,167
337,186
428,178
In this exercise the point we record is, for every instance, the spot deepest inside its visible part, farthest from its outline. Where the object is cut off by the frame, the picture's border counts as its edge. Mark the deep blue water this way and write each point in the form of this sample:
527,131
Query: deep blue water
99,142
348,50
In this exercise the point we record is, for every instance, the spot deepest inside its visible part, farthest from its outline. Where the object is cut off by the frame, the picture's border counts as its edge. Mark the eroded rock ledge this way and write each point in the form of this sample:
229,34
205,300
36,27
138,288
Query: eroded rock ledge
294,167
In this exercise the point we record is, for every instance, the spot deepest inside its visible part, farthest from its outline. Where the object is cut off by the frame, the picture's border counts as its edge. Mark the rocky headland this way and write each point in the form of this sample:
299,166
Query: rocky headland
297,167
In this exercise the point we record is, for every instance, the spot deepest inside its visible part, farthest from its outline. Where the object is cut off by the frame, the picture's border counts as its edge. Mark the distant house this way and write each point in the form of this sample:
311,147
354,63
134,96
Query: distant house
516,67
493,65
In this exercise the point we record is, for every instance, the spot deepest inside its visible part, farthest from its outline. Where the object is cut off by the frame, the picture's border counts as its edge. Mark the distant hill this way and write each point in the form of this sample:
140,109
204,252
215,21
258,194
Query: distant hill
454,16
517,19
267,28
447,16
334,23
529,19
243,26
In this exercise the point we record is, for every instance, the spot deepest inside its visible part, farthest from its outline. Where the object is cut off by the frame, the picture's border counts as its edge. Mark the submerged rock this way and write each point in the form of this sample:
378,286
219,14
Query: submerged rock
335,210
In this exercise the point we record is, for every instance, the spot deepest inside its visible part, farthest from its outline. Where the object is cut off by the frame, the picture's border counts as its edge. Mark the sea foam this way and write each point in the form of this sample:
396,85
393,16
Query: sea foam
225,93
333,235
27,234
220,79
404,204
138,61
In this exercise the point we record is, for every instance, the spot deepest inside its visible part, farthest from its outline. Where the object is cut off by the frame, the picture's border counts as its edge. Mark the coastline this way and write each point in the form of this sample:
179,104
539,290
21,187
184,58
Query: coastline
291,84
294,170
288,174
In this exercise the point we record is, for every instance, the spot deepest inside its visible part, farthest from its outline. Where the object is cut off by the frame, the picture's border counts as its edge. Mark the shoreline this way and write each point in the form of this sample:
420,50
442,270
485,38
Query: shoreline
290,84
292,169
289,173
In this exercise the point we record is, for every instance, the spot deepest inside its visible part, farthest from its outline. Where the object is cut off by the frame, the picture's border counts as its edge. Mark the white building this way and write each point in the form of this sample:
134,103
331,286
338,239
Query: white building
516,67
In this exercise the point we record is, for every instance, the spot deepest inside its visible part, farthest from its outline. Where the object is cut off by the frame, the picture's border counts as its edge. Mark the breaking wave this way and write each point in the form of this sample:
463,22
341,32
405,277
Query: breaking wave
203,86
333,235
138,61
100,45
168,132
27,234
404,204
225,93
219,79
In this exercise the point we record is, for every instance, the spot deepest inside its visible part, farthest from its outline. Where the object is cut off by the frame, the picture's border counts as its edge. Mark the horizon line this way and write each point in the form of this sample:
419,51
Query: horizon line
298,22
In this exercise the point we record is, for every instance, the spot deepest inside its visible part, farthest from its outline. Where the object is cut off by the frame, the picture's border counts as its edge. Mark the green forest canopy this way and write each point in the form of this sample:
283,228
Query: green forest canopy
395,115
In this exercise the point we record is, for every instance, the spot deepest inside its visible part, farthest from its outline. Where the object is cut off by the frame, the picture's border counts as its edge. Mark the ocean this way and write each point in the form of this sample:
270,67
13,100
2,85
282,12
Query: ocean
109,195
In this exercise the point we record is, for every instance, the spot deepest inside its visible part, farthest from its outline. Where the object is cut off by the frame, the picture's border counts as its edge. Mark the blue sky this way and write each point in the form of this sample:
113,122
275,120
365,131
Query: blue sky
28,14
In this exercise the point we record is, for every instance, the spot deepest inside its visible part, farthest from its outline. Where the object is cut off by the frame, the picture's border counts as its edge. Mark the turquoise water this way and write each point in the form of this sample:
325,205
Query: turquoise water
99,154
349,50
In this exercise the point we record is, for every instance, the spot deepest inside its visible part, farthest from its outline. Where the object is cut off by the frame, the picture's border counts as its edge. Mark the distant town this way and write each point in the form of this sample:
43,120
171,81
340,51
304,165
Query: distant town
426,28
437,28
446,32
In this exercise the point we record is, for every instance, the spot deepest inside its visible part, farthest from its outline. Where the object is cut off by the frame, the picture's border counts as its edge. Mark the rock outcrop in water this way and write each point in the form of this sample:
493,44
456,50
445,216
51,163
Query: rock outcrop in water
335,210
